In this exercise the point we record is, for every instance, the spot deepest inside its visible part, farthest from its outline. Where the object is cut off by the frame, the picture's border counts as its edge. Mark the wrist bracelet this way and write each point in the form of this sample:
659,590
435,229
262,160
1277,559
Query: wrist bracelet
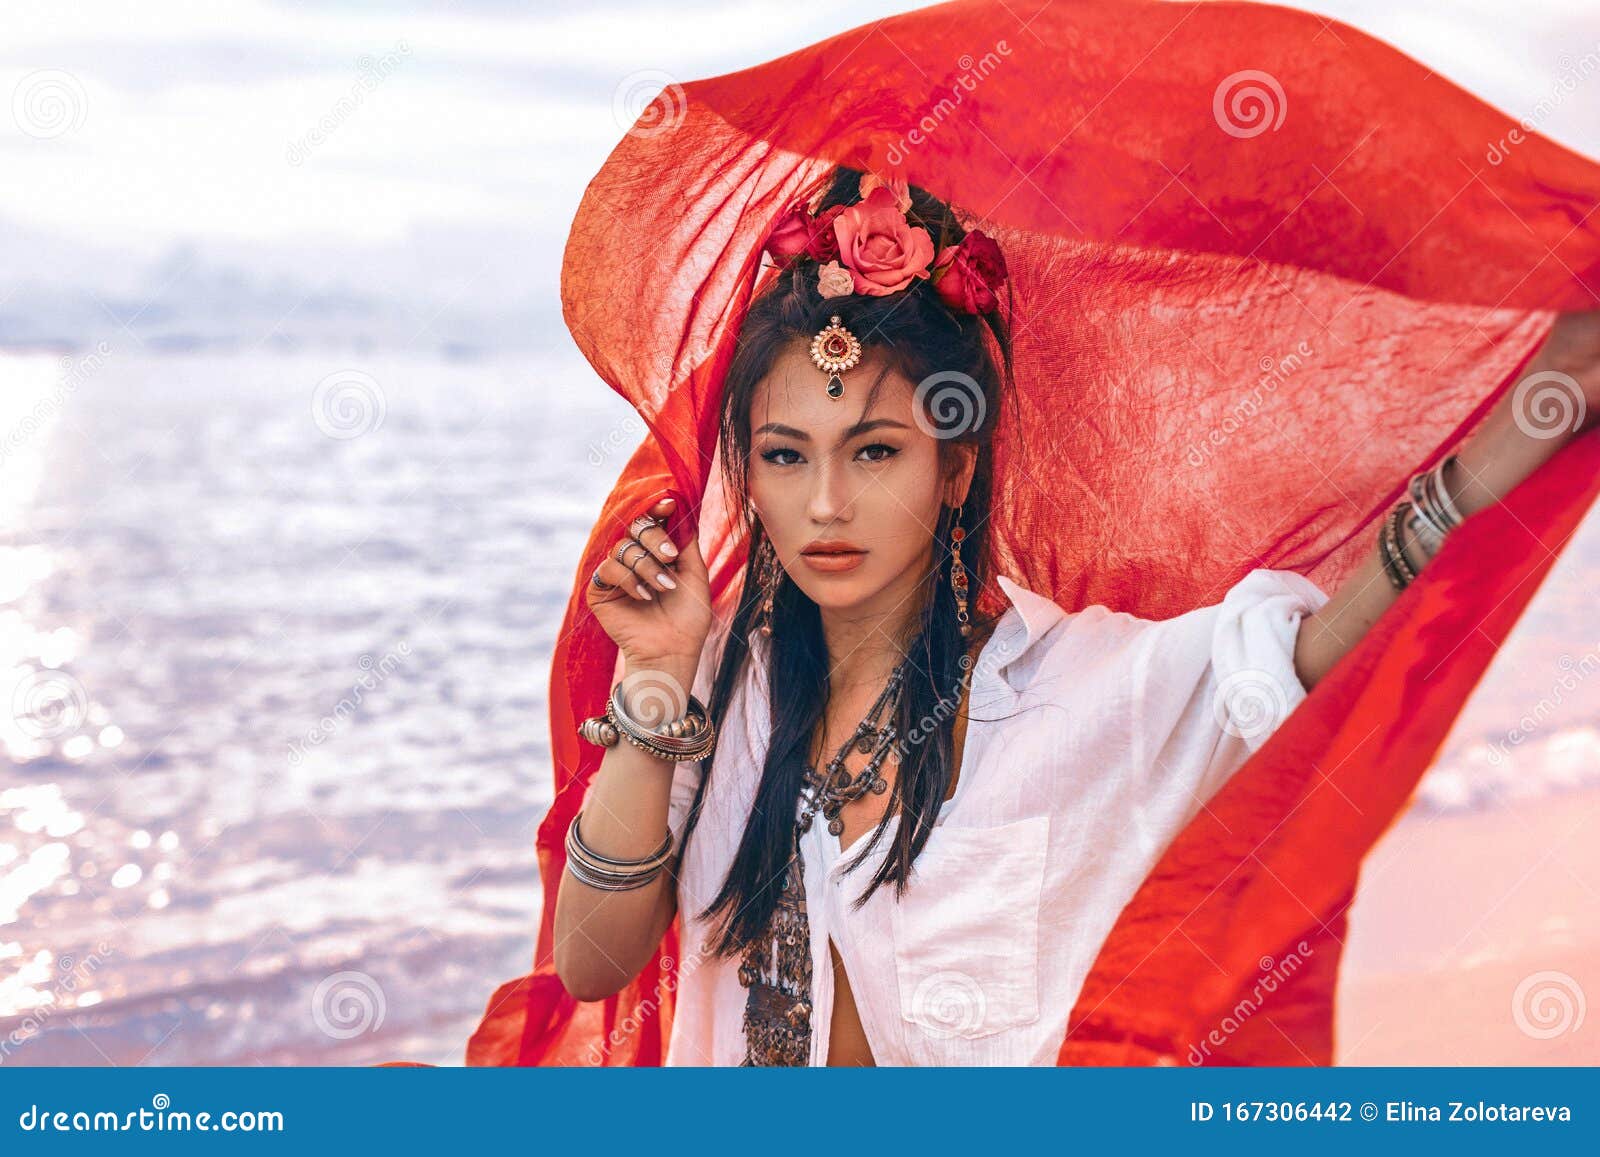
688,737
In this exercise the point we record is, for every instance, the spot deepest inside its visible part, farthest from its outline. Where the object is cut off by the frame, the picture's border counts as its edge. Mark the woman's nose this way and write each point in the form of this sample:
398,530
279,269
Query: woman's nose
830,495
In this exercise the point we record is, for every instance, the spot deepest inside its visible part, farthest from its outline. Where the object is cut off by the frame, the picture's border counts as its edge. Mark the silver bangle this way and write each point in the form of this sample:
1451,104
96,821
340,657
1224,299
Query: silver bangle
607,873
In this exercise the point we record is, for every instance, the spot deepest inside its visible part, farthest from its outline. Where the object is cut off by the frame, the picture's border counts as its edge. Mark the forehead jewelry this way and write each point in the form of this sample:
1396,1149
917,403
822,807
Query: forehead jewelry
834,350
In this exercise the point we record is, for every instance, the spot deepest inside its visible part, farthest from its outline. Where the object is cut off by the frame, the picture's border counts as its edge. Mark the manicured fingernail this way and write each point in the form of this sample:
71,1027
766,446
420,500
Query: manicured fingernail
668,501
669,550
666,581
643,593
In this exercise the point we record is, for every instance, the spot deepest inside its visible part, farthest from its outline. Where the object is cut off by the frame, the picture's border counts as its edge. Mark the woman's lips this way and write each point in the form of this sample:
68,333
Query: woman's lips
834,562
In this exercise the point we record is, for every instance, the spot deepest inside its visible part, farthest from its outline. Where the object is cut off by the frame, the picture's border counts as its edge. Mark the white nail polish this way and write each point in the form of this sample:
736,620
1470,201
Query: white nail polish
643,592
666,581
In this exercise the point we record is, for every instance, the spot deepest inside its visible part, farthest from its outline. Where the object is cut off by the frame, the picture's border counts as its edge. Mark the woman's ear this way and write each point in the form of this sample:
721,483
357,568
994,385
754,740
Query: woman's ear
963,462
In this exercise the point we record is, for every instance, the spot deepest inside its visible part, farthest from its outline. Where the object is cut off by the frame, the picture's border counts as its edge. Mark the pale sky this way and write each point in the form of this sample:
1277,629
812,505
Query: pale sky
177,120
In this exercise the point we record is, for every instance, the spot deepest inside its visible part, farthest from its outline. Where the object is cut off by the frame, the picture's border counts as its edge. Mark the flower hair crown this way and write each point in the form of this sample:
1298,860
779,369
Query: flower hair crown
870,248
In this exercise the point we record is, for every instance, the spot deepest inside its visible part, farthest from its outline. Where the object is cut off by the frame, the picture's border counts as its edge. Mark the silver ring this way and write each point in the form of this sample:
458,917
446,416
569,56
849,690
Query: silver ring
599,583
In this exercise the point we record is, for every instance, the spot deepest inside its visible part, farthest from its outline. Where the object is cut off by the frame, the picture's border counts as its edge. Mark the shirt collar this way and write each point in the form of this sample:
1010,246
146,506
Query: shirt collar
1017,632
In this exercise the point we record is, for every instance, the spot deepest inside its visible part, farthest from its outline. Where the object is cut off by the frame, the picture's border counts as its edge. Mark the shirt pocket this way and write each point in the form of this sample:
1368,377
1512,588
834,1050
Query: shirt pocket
966,936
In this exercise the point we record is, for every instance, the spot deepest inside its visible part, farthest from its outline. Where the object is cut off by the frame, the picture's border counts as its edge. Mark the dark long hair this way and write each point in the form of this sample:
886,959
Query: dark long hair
915,333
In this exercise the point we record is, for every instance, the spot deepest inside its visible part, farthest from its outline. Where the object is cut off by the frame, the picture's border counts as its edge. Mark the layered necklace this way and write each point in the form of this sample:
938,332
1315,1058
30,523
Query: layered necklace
776,968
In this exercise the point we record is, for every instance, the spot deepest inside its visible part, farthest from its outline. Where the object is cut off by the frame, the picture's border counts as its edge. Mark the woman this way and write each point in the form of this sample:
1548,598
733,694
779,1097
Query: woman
993,787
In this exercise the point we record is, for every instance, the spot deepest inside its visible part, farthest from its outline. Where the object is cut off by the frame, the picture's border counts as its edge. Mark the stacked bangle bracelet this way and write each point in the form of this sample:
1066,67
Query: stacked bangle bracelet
611,875
1429,514
686,738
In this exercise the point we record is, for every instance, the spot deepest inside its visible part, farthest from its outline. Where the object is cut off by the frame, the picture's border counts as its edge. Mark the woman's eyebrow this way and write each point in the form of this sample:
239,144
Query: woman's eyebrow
859,428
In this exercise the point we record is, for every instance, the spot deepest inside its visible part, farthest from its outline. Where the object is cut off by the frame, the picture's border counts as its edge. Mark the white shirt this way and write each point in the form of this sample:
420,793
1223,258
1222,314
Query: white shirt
1119,730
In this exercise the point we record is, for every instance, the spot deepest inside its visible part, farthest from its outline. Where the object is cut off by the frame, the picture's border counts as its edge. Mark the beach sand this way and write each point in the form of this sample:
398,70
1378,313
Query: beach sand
1475,939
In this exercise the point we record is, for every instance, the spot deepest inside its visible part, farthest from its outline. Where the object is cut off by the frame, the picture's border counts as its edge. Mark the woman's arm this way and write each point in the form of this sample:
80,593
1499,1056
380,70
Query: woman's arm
1511,442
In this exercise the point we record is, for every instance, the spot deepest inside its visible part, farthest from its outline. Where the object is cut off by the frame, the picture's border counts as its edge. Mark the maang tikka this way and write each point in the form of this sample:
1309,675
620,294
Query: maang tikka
834,350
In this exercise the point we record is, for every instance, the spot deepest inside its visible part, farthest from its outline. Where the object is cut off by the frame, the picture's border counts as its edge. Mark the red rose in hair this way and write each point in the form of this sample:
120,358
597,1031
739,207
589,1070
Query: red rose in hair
967,276
790,235
824,244
879,246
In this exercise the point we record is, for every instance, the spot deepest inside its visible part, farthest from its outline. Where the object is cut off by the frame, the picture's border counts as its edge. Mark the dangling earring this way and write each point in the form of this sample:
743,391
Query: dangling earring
768,575
958,574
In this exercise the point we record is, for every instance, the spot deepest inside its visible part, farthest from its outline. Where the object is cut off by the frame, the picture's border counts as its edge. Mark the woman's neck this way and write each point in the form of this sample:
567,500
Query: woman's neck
867,642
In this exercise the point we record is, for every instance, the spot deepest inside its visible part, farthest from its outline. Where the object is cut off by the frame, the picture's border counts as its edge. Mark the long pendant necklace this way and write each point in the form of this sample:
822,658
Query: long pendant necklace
776,969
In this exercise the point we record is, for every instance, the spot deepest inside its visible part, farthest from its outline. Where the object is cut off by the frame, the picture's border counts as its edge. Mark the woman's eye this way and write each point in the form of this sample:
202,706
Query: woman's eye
887,452
775,456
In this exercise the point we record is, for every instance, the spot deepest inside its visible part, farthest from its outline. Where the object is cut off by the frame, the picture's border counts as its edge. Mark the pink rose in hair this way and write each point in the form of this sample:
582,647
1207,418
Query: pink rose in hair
967,276
896,185
834,280
879,246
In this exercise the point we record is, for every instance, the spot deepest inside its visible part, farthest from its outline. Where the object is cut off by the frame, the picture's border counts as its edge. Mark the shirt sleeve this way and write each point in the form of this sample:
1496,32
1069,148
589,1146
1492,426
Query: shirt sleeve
1219,680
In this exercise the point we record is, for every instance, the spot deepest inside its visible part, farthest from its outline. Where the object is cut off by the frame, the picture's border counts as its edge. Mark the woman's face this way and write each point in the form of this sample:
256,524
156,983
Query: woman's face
828,474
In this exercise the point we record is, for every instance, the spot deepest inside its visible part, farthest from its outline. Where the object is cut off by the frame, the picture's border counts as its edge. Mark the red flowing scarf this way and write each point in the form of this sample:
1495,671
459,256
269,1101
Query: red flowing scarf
1265,267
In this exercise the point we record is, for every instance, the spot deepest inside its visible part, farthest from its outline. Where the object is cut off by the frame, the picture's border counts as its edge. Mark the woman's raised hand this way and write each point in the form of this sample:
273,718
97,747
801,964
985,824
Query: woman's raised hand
656,601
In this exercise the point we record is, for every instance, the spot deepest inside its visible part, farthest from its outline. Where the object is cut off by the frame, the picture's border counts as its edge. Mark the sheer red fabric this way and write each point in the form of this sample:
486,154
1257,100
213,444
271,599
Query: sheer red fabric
1265,267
